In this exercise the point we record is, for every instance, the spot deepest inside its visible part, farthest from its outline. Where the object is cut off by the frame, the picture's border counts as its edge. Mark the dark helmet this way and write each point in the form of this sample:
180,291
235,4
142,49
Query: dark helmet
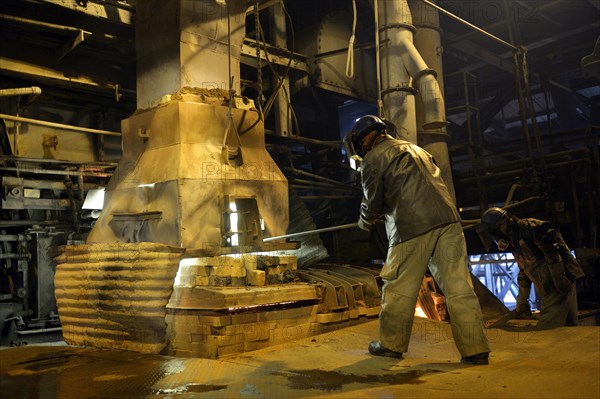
493,216
363,126
489,229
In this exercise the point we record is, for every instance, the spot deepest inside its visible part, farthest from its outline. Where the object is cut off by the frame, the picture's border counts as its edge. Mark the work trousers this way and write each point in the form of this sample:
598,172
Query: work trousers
444,250
558,309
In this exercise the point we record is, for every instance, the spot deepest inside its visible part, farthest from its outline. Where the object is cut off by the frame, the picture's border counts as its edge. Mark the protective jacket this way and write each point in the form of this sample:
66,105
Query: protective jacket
402,182
543,257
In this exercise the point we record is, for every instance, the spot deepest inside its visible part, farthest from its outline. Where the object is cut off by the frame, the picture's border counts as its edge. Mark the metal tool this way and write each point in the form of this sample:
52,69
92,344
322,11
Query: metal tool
501,320
302,233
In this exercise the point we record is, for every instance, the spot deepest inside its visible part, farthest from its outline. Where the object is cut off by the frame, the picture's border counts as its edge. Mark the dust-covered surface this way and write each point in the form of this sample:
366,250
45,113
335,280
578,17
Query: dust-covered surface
561,363
214,96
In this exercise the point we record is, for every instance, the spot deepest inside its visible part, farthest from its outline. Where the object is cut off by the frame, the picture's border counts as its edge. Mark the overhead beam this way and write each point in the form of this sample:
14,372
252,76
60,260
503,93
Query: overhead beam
493,59
114,11
276,55
53,77
501,22
484,55
75,41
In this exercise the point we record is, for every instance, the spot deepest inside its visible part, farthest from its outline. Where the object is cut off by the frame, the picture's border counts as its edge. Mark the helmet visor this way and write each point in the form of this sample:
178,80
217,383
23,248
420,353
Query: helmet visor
353,150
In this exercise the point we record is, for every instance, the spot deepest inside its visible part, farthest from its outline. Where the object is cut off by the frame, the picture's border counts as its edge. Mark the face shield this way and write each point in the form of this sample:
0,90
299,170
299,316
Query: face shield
353,150
488,235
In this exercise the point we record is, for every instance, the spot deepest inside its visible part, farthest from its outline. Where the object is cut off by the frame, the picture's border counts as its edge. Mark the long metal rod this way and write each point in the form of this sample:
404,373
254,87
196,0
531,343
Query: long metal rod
478,29
538,8
314,176
306,140
56,172
105,165
302,233
46,25
326,197
58,125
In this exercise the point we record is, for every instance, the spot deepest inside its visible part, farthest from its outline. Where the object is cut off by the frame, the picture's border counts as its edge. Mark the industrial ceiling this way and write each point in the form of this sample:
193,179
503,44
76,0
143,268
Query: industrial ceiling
82,54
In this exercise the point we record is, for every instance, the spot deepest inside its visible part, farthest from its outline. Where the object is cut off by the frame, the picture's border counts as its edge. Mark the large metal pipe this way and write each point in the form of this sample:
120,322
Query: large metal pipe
428,42
58,125
404,73
398,95
21,91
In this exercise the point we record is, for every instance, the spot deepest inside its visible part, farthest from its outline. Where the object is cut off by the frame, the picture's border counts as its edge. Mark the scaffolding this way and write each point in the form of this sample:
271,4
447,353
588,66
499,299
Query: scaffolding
474,145
499,272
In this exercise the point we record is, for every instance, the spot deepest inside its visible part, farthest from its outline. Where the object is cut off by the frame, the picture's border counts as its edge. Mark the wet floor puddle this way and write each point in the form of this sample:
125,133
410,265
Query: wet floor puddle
335,380
85,373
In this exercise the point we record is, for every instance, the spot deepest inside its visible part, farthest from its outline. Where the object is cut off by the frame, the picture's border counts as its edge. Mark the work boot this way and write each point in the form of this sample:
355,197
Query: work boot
375,348
480,358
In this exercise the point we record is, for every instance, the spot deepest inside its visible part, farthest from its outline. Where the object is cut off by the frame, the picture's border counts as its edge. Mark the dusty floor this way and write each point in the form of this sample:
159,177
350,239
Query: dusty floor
561,363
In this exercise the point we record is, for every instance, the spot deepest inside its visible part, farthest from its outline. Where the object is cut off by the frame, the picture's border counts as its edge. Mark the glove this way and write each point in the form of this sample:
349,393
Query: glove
367,225
561,282
364,225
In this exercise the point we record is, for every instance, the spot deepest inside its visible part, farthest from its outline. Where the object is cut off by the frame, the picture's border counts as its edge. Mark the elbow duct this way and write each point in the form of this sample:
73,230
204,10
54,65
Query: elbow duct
402,65
431,96
424,79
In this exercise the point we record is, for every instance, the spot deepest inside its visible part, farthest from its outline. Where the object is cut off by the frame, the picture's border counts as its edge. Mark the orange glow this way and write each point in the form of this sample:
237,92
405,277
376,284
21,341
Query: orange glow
419,312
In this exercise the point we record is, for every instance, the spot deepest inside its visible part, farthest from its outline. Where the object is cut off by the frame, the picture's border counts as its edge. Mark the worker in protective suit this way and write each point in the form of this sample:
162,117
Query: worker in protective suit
543,258
403,187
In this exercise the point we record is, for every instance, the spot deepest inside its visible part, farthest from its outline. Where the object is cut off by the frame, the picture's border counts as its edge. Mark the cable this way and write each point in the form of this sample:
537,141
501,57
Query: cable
259,98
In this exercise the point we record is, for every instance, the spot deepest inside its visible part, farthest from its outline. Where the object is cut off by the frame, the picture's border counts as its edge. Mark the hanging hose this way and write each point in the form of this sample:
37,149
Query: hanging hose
350,59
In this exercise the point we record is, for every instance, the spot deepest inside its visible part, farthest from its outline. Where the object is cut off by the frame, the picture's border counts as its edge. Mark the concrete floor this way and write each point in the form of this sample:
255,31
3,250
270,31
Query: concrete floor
561,363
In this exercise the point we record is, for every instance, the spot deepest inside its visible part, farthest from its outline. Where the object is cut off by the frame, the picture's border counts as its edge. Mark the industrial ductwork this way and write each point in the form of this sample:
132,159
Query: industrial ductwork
404,73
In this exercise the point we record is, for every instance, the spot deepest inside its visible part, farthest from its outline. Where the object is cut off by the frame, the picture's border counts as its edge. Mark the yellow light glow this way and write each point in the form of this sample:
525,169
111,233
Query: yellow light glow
419,312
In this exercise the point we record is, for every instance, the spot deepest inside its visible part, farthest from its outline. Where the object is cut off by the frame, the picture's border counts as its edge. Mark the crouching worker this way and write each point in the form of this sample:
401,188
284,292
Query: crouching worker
402,184
543,258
